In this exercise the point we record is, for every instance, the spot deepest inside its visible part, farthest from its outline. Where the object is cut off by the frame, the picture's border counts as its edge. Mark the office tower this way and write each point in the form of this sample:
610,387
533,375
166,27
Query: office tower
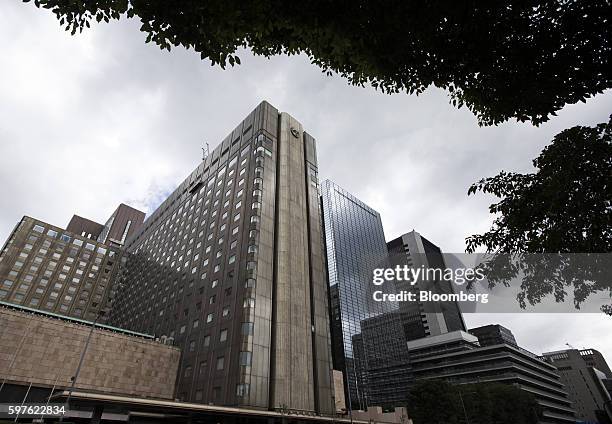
48,268
122,224
458,358
585,383
595,359
493,334
231,265
421,319
375,373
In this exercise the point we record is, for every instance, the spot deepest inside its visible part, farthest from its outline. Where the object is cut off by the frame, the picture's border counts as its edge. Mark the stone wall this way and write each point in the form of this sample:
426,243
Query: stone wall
46,351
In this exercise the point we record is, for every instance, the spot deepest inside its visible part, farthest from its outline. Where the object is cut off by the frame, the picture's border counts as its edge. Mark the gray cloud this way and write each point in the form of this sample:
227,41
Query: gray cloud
89,121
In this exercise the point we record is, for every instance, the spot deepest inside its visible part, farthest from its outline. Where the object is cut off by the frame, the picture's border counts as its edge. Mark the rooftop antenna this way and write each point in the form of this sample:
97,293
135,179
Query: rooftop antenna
570,346
205,151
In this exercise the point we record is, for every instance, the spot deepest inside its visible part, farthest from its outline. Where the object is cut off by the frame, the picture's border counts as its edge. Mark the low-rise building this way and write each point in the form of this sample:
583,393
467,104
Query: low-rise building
458,358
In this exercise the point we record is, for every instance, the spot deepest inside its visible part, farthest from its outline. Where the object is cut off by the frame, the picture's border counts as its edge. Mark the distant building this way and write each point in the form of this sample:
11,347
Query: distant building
584,382
48,268
124,222
458,358
494,334
424,319
595,359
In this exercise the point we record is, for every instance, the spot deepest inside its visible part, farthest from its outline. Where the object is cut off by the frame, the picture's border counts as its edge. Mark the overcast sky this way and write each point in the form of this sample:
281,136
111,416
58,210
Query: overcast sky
89,121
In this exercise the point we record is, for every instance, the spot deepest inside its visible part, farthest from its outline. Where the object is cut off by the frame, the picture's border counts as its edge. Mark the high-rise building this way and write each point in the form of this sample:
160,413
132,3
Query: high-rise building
458,358
421,319
376,373
231,266
585,383
493,334
49,268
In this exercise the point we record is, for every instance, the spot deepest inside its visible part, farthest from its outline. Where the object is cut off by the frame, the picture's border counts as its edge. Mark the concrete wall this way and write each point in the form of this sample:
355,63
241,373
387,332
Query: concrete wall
46,351
292,352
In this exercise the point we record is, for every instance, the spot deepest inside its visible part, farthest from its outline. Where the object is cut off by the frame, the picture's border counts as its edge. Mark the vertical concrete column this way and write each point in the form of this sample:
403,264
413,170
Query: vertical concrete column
292,359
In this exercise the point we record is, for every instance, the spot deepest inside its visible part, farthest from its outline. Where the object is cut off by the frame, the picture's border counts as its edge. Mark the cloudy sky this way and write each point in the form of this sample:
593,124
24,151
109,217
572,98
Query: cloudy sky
89,121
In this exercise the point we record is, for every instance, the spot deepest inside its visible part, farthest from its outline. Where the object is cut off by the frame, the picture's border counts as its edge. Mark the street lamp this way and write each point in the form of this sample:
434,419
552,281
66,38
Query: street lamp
99,315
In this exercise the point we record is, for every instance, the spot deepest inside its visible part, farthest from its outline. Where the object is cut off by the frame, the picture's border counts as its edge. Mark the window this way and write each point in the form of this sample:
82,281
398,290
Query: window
182,329
235,231
220,363
246,329
223,335
52,233
187,371
192,345
196,323
214,283
198,395
38,228
249,302
252,249
232,259
65,238
236,217
212,299
217,268
203,366
225,312
242,390
210,317
245,359
206,341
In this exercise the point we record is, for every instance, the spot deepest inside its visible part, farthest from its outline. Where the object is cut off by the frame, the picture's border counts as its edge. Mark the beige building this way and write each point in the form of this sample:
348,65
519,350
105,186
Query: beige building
44,349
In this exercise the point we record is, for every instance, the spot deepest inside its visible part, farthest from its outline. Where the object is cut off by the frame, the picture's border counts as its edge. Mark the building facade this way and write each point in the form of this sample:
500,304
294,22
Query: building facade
124,221
584,382
375,372
422,319
458,358
48,268
43,350
493,334
231,267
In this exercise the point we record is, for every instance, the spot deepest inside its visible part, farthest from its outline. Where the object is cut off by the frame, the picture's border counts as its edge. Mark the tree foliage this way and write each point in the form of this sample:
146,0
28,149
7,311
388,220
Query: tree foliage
562,212
502,60
563,207
438,402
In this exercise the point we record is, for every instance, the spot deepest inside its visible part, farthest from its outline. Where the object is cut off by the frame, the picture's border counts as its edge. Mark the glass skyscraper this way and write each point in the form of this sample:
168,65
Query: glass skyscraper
355,244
